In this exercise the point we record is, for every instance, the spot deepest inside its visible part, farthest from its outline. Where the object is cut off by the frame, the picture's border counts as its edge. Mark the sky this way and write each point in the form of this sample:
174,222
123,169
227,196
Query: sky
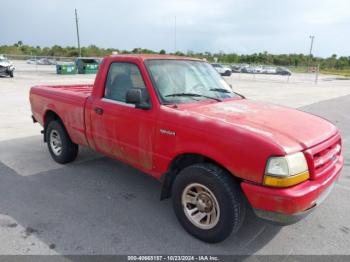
240,26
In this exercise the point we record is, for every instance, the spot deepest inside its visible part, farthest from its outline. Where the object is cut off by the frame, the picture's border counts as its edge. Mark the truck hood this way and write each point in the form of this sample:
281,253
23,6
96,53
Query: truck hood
291,129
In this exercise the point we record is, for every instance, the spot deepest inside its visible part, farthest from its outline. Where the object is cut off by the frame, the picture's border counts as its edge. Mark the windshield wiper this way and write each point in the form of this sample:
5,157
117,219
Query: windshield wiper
226,91
222,90
195,95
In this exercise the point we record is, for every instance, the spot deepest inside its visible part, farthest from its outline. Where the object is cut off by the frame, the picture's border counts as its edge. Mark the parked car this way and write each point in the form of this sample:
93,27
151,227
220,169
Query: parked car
243,67
283,71
236,68
52,61
6,67
215,152
41,61
258,69
46,61
32,61
249,69
223,70
271,70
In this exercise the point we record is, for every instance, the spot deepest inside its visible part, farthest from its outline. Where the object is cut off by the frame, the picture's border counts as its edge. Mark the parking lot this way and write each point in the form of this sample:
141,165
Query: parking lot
100,206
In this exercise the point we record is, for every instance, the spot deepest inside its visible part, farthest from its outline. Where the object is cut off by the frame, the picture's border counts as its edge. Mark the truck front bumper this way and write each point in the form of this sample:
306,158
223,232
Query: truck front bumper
288,205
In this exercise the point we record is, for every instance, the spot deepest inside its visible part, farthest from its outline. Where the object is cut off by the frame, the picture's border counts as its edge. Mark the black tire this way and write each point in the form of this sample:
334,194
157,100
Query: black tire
11,74
228,73
227,193
69,150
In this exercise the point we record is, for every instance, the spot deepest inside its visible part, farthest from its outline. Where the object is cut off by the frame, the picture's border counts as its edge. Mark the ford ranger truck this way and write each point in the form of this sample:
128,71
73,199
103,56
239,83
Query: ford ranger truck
215,152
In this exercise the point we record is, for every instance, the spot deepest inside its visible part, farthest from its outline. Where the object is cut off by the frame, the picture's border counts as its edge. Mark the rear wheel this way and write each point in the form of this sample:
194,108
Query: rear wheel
11,74
208,202
61,147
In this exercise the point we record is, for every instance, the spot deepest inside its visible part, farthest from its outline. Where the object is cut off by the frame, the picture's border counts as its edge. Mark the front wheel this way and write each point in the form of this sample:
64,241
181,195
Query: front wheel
208,202
61,147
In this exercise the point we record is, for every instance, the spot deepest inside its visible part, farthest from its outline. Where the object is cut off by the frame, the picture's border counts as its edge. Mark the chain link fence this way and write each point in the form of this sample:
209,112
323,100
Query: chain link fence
43,64
30,63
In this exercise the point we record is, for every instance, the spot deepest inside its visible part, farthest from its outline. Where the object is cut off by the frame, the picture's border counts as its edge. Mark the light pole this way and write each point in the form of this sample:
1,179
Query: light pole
77,25
175,35
310,53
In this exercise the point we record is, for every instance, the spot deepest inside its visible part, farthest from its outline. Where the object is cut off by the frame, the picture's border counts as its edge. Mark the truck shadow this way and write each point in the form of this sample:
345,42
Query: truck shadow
102,206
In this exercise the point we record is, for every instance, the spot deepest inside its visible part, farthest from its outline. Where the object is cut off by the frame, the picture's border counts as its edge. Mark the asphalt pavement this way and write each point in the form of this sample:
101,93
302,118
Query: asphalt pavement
97,205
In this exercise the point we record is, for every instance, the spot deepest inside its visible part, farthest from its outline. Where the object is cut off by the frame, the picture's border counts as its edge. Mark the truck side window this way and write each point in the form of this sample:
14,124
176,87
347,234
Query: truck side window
122,77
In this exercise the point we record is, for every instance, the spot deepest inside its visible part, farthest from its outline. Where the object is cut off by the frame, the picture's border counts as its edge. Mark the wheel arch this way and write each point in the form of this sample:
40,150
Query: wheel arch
180,162
51,115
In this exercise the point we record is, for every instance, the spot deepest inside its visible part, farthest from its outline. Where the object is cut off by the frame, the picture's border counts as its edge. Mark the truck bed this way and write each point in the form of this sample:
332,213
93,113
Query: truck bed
67,101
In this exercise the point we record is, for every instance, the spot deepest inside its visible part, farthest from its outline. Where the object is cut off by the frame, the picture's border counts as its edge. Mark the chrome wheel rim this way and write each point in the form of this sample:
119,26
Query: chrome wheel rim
55,142
200,206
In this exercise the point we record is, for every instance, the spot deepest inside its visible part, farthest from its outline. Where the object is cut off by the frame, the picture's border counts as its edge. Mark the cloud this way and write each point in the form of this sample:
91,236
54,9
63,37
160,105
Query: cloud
201,25
327,13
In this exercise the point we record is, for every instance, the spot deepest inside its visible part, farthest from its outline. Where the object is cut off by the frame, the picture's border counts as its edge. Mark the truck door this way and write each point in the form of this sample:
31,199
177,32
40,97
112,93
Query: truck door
119,129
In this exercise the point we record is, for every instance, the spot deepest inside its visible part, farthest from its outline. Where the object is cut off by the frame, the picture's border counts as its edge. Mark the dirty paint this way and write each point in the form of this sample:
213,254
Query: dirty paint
239,134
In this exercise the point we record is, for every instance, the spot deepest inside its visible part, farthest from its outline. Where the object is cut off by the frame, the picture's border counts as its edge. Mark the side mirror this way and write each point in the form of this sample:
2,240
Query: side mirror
135,96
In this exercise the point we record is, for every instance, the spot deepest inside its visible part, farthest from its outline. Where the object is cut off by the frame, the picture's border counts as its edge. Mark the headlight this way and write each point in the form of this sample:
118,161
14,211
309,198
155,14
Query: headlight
286,171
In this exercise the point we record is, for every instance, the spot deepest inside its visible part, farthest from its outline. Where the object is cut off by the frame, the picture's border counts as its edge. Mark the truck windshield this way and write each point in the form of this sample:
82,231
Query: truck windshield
184,81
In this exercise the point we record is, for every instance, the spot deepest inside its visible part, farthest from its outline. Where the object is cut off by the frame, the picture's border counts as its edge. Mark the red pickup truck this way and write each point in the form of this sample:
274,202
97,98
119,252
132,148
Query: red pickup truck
215,152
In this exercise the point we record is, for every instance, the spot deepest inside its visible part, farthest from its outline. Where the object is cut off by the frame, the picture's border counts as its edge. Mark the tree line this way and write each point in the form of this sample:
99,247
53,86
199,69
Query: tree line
265,58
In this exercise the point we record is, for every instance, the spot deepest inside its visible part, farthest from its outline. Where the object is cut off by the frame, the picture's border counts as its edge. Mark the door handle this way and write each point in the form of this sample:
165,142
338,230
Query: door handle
98,110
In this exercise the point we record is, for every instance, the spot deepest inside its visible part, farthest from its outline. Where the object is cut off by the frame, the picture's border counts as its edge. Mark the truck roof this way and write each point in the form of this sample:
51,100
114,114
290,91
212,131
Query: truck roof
153,56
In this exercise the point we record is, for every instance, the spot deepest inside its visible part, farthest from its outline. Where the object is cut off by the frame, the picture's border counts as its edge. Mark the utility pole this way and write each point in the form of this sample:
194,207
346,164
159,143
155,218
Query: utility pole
77,25
175,35
310,53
